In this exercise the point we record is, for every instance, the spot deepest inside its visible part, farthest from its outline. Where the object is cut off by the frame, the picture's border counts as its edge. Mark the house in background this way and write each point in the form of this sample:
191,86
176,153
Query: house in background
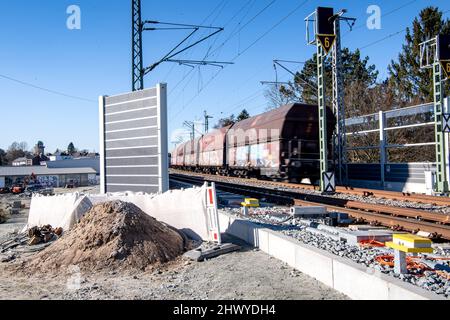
49,177
85,162
23,161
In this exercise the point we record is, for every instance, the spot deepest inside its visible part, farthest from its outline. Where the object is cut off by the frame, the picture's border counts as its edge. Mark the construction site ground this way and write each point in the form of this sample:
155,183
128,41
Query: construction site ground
243,275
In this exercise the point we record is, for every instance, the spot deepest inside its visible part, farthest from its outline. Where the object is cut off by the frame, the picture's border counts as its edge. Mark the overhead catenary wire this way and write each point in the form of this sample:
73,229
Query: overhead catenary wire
209,53
251,3
173,52
55,92
382,16
223,3
234,33
229,38
245,50
393,34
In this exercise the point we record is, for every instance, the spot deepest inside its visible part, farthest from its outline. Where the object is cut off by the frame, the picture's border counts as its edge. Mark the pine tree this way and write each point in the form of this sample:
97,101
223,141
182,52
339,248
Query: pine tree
354,68
411,84
243,115
71,149
225,122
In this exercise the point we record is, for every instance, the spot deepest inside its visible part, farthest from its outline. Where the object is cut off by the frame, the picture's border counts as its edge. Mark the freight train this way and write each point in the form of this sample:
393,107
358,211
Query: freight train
281,144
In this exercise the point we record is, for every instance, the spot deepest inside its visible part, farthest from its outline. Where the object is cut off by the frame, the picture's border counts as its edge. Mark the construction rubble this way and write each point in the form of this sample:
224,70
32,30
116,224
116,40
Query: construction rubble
43,234
4,215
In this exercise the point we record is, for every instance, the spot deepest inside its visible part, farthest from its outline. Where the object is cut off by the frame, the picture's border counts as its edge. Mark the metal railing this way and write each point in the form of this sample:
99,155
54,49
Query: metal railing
383,128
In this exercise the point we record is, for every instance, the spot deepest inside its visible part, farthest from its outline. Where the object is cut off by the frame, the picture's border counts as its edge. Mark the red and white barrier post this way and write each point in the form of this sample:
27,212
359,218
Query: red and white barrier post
213,215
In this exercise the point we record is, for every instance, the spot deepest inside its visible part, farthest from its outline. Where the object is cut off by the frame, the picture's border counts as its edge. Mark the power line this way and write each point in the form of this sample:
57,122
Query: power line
394,34
46,89
247,48
244,26
251,3
192,51
382,16
209,53
271,29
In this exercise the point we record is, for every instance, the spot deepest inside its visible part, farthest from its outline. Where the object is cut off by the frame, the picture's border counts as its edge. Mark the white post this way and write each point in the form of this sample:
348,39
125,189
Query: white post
382,125
101,122
163,151
400,264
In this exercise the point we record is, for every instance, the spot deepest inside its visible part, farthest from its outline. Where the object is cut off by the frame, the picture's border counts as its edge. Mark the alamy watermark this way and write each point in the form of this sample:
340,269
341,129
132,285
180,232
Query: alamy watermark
374,20
74,20
74,280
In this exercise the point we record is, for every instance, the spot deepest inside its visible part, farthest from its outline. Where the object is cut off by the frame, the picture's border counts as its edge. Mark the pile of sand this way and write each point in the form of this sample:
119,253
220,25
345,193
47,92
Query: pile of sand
113,235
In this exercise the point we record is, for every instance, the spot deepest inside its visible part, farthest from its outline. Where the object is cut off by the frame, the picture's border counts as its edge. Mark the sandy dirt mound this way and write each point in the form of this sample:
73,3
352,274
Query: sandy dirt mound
113,235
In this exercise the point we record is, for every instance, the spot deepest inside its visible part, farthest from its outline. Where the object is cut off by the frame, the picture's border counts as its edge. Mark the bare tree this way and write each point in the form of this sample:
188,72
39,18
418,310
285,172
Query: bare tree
280,95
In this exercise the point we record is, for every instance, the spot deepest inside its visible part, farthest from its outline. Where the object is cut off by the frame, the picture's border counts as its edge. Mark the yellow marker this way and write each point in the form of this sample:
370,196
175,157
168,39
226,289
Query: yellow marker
250,202
410,243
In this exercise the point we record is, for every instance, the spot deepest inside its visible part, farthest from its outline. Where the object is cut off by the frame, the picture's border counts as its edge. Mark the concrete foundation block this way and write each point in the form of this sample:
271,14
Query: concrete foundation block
254,235
358,282
282,248
406,291
308,212
307,261
238,229
354,237
263,238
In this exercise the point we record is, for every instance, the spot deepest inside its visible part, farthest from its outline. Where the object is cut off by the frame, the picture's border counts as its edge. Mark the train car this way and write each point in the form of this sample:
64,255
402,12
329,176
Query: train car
279,144
212,150
191,154
176,156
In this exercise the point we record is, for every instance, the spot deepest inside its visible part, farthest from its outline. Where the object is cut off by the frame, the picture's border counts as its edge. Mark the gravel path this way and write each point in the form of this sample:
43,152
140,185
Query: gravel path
244,275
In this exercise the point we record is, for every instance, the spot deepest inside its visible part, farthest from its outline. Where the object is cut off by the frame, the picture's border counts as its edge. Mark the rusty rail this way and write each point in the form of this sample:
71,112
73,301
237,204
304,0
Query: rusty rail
394,217
383,194
393,222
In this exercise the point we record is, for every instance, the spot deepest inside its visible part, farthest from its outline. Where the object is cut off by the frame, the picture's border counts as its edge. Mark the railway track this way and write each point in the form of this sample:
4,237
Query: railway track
412,220
382,194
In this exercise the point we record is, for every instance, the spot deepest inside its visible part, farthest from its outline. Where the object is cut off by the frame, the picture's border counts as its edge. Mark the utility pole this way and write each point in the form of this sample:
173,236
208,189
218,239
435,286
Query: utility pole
326,36
323,39
207,117
191,126
137,65
435,54
138,71
340,137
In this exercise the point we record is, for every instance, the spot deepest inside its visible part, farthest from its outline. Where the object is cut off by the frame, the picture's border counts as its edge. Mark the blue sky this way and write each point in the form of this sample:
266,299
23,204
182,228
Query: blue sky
37,48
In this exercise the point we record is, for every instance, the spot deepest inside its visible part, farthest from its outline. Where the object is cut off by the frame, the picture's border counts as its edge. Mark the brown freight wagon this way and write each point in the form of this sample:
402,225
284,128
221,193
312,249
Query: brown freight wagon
282,143
278,144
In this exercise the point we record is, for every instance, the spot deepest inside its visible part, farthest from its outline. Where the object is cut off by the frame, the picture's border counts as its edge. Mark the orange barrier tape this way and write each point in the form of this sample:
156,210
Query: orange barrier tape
371,243
388,260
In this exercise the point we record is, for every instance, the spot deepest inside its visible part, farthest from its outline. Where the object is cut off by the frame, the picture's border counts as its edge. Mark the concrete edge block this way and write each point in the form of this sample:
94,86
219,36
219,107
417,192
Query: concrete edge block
358,282
397,289
345,276
400,290
282,249
263,240
307,261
